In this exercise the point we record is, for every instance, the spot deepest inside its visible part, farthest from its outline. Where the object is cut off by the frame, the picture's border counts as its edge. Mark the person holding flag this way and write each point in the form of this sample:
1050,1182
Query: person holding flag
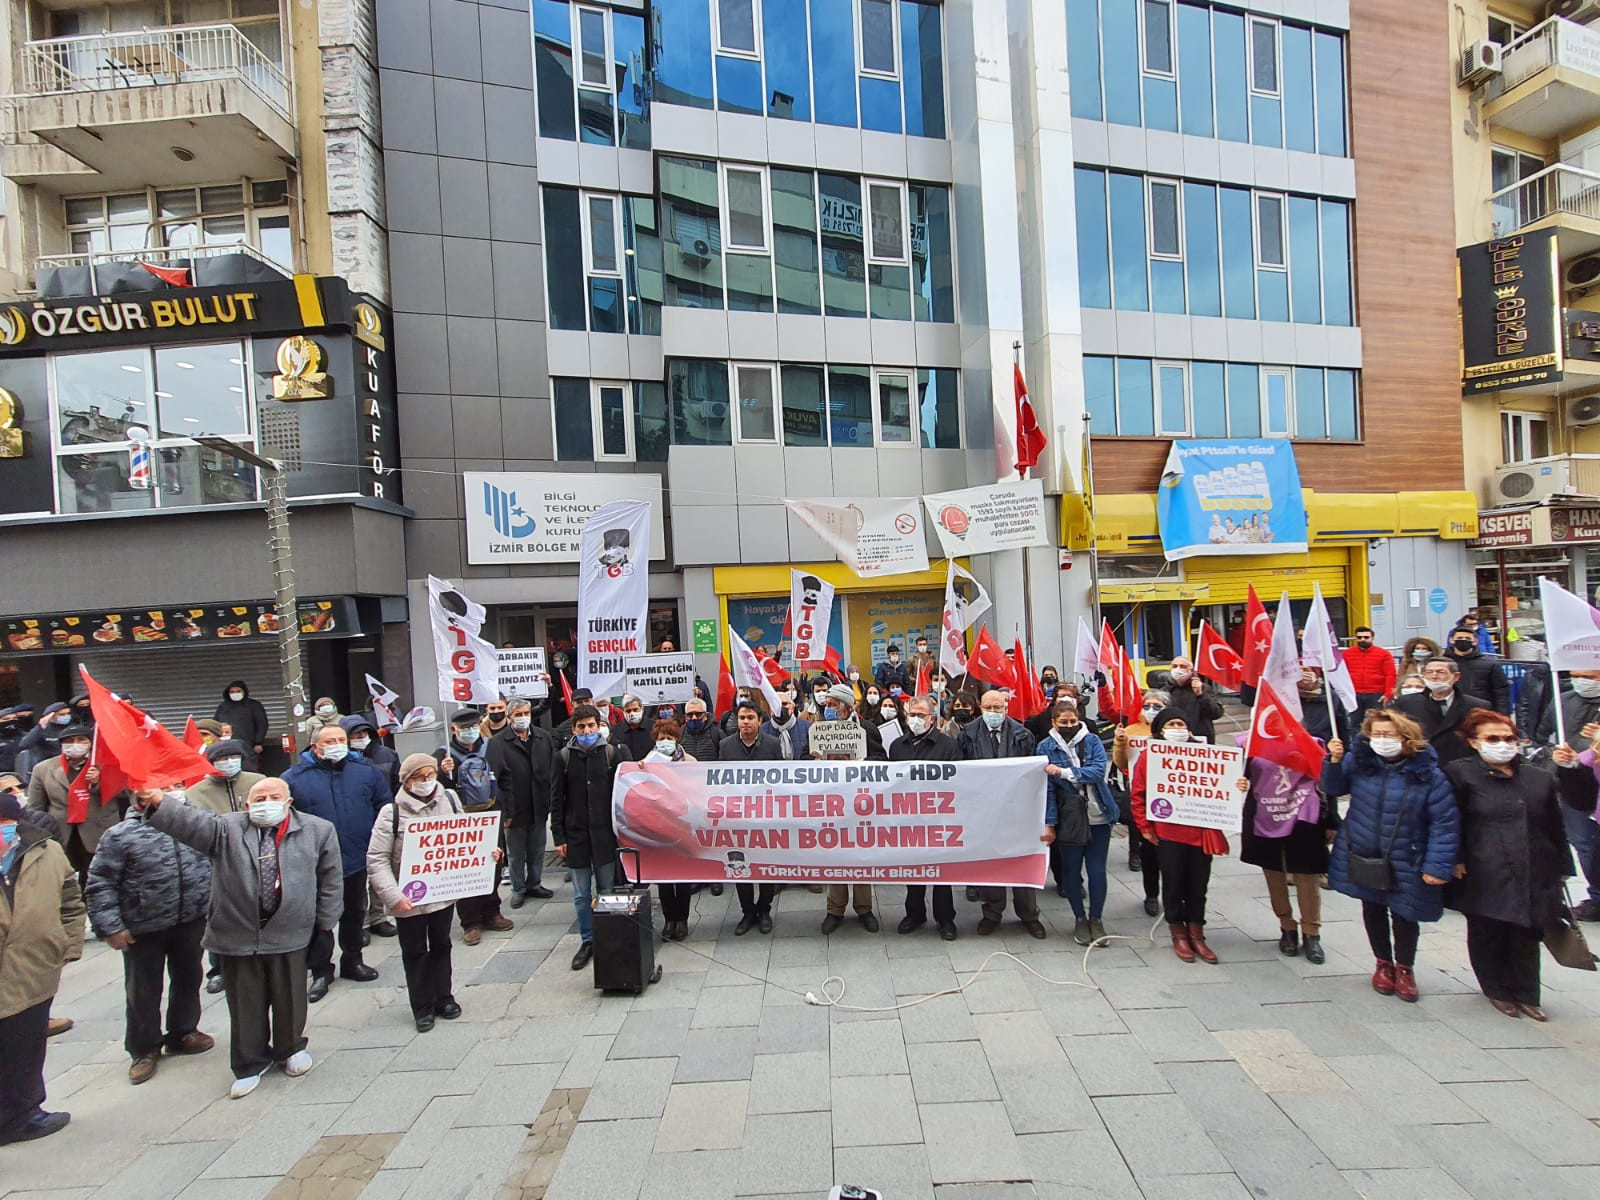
68,788
1192,696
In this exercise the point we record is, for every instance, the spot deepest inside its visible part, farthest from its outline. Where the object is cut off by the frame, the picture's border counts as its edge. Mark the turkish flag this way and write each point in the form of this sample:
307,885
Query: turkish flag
775,674
831,664
922,679
566,691
172,276
1277,737
1111,672
1257,638
727,693
989,662
1216,660
137,747
191,736
1030,438
1130,692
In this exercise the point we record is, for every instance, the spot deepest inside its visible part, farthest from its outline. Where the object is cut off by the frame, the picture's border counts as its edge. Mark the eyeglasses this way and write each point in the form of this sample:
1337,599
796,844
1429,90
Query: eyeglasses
423,777
1499,739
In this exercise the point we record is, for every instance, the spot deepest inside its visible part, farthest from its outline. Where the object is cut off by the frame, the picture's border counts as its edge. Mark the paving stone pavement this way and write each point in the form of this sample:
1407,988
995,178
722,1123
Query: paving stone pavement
1146,1079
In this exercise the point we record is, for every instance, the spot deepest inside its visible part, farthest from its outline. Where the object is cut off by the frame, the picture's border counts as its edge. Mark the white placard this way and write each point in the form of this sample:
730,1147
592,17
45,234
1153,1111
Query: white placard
1191,783
872,536
837,739
449,858
659,678
996,516
522,673
523,517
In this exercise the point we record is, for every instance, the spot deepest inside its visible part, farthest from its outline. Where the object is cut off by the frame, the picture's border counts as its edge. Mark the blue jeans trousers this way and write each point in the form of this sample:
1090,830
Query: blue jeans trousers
1093,856
583,885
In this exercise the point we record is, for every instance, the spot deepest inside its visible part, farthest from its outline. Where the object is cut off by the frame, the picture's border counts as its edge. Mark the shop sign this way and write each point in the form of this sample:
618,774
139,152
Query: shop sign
1511,332
204,624
523,517
376,435
1504,529
300,375
1575,524
705,637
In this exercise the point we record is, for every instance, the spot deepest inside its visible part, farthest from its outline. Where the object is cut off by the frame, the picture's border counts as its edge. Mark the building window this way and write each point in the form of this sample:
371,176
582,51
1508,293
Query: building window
1524,435
1135,397
738,26
594,56
745,205
1166,228
125,421
601,235
887,222
249,213
1503,30
1269,231
755,388
603,97
1276,397
1172,394
895,426
877,25
594,420
1157,37
611,245
1263,57
613,425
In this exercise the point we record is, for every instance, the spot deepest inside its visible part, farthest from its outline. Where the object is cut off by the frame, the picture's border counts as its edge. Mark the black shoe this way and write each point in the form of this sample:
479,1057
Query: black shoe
1588,910
947,930
37,1125
910,924
1151,906
869,922
580,960
745,925
1080,932
540,893
1289,942
384,928
518,899
1062,892
716,889
1135,858
424,1022
1315,955
972,895
366,938
213,984
359,971
318,988
447,1008
831,922
764,922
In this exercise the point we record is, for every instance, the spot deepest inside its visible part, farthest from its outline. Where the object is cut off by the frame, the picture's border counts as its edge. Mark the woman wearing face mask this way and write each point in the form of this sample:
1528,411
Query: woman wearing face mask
1397,845
424,929
1513,856
667,747
1184,852
1414,656
963,711
858,685
323,712
1082,808
1125,751
889,718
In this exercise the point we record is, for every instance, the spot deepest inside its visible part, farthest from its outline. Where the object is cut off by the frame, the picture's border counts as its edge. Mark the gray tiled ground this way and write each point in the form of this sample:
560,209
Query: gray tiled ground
1261,1076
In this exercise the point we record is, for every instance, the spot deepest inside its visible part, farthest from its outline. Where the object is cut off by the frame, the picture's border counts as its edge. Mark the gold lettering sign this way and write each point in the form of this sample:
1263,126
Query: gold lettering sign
10,436
300,375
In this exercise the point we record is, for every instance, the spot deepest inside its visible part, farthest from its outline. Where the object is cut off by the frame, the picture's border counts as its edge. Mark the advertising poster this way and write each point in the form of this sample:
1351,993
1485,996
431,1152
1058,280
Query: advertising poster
981,520
1221,497
878,621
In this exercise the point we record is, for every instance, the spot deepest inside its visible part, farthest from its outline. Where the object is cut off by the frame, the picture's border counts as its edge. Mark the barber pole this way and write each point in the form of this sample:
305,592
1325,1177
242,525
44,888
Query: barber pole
139,466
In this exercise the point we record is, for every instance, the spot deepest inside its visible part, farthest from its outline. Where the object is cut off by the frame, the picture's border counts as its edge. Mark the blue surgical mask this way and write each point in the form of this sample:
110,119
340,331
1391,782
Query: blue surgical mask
830,713
667,746
587,740
9,834
467,737
994,720
230,766
335,752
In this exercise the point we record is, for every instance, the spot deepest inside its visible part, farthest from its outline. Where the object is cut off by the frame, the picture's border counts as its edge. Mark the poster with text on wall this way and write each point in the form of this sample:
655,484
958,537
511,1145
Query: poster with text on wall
444,859
1191,783
1231,497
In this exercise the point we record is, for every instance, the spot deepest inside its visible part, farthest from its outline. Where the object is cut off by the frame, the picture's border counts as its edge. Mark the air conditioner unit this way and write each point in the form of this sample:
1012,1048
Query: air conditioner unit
694,248
1480,62
1580,11
1585,410
1530,482
1582,272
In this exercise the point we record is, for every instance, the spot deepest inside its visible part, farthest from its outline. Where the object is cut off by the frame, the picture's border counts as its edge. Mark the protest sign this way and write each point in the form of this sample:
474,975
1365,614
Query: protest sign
964,823
448,858
837,739
1191,783
659,678
522,673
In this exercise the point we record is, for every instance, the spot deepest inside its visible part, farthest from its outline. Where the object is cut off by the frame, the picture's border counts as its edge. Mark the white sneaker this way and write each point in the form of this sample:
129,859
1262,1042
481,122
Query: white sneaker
297,1064
243,1087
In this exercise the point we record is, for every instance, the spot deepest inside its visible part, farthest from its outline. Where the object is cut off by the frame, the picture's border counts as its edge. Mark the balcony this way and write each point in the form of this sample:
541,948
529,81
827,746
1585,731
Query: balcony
179,104
1549,81
1560,197
115,271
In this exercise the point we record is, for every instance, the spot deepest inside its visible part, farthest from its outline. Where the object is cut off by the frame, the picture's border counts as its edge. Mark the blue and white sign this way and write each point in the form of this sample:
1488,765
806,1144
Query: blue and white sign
523,517
1231,497
1438,600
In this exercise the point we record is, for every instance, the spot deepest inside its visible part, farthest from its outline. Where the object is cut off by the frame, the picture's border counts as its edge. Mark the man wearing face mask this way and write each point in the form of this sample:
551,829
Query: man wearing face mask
1440,709
634,732
580,818
345,790
792,733
701,737
749,744
43,741
10,739
223,793
362,735
277,876
996,735
522,759
324,712
1372,670
1191,696
891,672
248,717
68,788
1481,674
859,895
923,742
923,659
496,718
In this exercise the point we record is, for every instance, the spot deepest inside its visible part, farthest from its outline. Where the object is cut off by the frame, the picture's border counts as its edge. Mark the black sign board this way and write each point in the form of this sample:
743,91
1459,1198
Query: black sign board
191,625
1511,328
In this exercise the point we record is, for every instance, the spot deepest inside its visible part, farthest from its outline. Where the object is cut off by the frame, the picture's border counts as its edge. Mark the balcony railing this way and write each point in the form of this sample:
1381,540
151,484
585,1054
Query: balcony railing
1564,189
99,263
150,58
1552,43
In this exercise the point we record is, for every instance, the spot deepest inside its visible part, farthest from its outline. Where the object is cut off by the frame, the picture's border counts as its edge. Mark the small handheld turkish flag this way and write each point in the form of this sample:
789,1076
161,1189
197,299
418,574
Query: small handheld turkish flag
989,662
1216,659
1275,735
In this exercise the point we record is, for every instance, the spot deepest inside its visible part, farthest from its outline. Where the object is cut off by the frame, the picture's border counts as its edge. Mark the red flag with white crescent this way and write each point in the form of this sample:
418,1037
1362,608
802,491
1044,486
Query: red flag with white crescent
1275,735
1257,638
1215,659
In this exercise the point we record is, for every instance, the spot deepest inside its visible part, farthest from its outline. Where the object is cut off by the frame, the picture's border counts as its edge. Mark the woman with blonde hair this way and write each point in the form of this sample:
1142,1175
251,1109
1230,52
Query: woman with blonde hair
1398,844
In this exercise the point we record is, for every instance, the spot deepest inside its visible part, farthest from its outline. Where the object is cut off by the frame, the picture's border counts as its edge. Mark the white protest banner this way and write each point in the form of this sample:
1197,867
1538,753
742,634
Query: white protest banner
522,672
964,823
1191,783
871,536
660,678
613,593
465,662
443,859
1571,627
810,614
837,739
995,516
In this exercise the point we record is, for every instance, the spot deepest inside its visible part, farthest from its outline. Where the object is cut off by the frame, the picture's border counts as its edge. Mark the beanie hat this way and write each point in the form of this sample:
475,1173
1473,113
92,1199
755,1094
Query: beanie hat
1163,717
226,748
842,694
414,763
10,808
208,725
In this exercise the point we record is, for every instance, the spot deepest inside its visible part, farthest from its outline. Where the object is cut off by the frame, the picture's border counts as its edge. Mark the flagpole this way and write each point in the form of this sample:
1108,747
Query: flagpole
1027,576
1327,694
1088,499
1555,692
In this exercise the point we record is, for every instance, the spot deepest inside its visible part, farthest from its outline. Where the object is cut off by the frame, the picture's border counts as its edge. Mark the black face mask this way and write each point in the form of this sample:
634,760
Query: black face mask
1048,681
963,715
1464,646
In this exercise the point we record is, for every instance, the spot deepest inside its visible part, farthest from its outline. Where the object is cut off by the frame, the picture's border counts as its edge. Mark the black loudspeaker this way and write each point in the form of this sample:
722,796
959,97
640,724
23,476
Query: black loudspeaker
624,940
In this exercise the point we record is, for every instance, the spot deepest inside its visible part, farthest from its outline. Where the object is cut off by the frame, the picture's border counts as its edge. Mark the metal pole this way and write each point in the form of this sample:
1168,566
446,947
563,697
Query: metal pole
281,551
1088,503
1027,573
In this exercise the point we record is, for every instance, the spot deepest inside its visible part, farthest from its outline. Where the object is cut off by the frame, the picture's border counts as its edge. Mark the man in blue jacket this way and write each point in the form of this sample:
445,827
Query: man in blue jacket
343,788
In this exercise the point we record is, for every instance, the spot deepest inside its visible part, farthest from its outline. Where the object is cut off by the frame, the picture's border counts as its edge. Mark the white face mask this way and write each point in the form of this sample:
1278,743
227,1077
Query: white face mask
667,747
236,696
1498,753
1439,686
1387,747
326,710
919,725
521,723
1179,675
887,712
938,685
854,675
76,750
267,814
336,752
230,766
1589,689
360,743
1422,654
422,788
1151,713
1169,734
634,717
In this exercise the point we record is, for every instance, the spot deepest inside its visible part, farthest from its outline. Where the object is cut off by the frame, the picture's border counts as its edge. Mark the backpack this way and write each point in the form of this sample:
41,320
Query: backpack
565,755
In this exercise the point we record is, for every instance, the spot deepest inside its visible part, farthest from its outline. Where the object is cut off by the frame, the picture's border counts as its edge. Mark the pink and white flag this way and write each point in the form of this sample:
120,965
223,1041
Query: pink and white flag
1282,669
1321,649
1571,629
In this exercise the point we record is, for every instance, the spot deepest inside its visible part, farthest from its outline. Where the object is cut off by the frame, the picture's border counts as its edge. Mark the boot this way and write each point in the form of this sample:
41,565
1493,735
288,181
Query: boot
1289,942
1197,939
1383,978
1405,983
1135,856
1180,943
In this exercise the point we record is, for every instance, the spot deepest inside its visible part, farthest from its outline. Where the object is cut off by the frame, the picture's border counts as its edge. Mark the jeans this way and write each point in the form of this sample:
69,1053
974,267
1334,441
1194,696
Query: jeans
171,955
584,880
425,955
352,924
525,850
1403,949
1581,833
1185,876
1093,856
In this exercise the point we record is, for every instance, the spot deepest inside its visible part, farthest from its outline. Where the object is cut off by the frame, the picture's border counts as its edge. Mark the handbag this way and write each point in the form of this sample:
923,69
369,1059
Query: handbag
1376,874
1565,941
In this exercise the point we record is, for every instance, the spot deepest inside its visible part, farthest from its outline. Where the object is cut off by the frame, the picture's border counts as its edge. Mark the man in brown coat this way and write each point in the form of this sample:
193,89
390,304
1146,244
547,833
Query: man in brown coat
68,788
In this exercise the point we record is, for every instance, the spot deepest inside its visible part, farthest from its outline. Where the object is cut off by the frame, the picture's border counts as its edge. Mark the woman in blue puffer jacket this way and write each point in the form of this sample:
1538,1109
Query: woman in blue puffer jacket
1403,819
1082,809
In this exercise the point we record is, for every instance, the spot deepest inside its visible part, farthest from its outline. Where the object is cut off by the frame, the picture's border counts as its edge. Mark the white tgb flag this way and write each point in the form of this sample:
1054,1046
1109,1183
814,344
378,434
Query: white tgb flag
747,672
1571,629
383,697
613,593
810,614
1282,669
965,600
468,670
1321,649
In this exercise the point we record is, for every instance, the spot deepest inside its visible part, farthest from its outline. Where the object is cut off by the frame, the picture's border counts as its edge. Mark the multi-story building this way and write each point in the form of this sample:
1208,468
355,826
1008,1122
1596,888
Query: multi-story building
1526,116
739,251
193,246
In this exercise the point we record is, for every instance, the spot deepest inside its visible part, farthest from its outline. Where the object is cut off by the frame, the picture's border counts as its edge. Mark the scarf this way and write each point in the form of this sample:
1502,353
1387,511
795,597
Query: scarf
77,791
1283,797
